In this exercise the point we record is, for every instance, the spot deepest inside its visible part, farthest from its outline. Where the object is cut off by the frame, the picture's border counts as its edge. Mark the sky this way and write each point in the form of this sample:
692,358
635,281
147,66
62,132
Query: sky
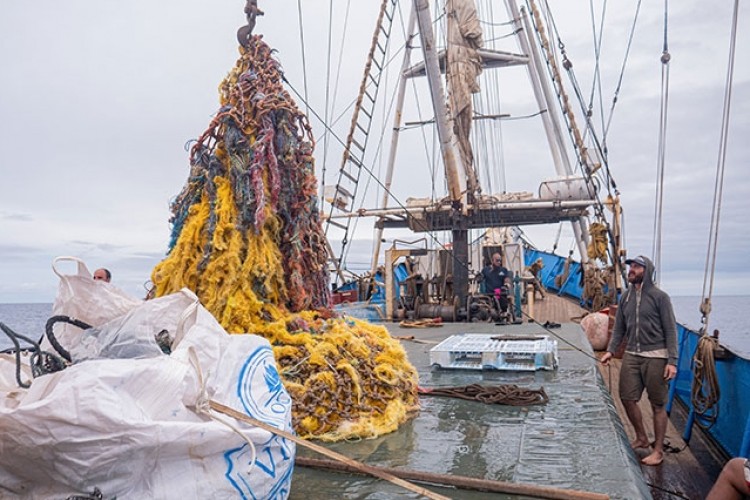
99,98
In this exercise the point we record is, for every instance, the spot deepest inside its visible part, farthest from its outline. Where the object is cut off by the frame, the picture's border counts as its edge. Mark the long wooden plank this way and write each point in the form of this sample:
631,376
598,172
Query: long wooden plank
464,482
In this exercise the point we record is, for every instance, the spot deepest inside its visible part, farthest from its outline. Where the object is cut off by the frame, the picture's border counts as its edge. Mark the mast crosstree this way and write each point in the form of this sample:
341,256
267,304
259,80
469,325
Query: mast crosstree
465,207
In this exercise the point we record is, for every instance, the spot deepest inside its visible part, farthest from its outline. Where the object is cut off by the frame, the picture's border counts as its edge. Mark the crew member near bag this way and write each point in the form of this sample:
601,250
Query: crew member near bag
646,319
102,274
496,277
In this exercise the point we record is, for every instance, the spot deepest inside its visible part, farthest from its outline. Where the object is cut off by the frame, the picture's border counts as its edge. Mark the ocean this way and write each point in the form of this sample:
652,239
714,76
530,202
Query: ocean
728,317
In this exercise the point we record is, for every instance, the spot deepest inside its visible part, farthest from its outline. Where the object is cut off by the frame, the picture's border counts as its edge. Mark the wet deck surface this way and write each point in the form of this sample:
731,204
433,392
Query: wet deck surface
575,441
547,446
688,473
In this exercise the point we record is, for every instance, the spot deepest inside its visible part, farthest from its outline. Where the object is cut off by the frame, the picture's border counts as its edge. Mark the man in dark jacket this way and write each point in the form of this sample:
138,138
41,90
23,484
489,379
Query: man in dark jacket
496,280
645,319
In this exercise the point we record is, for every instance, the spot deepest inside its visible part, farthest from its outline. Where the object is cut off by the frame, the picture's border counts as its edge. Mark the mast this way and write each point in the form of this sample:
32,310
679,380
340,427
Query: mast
550,119
456,183
394,137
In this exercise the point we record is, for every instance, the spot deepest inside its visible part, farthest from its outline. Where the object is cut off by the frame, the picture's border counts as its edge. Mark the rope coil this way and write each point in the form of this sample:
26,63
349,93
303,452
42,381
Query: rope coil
507,394
705,391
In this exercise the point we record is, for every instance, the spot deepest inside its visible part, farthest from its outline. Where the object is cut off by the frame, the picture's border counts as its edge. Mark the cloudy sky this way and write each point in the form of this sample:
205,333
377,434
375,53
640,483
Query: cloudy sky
98,99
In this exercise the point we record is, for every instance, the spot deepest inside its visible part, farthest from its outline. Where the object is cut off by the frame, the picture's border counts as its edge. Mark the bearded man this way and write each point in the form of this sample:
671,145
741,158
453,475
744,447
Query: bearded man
645,318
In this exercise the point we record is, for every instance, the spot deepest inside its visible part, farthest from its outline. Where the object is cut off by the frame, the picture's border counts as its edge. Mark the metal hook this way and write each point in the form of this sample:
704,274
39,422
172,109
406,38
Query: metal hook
251,12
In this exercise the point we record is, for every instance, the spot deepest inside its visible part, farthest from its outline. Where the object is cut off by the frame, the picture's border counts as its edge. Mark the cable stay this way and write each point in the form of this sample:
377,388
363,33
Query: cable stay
660,163
713,237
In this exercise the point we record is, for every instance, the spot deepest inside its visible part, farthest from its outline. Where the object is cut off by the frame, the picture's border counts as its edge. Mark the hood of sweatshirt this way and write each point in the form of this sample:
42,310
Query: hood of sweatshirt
648,274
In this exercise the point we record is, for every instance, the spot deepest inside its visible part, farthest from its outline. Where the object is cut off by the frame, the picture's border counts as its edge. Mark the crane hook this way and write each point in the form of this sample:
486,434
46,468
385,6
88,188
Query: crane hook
251,12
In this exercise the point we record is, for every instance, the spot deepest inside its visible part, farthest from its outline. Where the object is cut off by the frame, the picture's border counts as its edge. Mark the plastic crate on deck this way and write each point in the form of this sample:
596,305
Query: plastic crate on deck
474,351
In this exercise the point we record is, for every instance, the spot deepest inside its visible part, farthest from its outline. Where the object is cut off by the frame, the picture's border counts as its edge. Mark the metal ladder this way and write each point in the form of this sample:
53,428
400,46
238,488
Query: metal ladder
341,197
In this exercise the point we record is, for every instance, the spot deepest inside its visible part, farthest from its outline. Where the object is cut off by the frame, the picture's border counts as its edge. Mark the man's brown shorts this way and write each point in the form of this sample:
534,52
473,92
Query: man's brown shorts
638,373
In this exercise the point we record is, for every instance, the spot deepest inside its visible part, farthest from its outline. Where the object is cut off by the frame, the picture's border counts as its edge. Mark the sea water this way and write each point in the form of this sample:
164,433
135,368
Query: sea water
728,316
25,319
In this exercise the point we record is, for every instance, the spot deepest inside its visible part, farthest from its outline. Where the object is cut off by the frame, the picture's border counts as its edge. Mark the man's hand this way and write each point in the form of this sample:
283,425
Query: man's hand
670,372
606,357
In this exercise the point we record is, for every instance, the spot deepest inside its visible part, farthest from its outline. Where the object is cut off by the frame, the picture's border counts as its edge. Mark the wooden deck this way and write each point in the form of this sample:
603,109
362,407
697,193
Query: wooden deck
554,309
688,473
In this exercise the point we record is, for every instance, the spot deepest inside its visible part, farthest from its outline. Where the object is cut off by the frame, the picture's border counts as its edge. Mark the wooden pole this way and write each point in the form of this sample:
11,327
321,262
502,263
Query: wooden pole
463,482
358,466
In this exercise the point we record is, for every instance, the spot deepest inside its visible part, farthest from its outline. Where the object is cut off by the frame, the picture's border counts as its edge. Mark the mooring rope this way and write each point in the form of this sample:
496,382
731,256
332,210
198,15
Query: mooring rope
705,391
506,394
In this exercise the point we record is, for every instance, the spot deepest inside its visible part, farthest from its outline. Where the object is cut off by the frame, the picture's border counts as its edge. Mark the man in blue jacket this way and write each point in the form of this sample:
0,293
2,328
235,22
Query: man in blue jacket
645,321
496,281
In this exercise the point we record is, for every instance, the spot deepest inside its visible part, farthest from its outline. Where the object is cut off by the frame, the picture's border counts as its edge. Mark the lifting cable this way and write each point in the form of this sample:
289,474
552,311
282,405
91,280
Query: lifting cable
662,148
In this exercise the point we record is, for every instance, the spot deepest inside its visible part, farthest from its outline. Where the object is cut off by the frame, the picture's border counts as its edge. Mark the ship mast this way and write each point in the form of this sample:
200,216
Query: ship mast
456,183
465,207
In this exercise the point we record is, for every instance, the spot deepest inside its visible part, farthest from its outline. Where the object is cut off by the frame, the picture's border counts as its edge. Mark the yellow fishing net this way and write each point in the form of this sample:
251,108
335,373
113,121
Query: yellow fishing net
247,239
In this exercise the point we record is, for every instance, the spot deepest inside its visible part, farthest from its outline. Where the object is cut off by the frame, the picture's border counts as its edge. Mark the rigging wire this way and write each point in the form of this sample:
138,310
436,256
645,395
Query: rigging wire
659,202
620,79
302,47
581,151
568,65
708,276
327,112
369,171
332,105
596,85
557,238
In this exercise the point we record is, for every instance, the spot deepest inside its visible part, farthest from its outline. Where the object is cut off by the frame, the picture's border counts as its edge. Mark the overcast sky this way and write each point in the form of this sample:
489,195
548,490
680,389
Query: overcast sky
98,99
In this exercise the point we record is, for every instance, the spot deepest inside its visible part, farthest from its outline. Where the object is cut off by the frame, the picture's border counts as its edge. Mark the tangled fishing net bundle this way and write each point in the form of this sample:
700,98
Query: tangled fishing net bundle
246,238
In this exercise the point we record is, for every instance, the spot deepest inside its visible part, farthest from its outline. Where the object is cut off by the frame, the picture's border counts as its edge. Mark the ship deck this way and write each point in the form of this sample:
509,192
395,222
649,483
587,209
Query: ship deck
687,471
576,441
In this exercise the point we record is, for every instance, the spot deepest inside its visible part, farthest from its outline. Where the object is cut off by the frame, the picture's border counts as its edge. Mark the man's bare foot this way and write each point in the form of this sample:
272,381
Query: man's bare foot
640,443
655,458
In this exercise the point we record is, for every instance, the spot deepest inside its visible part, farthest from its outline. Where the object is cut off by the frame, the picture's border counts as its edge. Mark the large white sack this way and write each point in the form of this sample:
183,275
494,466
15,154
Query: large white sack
129,427
81,297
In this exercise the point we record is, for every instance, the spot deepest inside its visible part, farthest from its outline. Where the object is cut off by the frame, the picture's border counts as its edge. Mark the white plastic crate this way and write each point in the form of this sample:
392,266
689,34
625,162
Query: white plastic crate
476,351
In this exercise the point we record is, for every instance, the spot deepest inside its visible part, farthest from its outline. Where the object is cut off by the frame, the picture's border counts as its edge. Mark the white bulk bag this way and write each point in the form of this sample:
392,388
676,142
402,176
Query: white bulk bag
137,427
81,297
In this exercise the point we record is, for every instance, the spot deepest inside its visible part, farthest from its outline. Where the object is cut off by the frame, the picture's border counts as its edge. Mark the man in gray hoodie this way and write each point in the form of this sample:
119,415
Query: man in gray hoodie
645,321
